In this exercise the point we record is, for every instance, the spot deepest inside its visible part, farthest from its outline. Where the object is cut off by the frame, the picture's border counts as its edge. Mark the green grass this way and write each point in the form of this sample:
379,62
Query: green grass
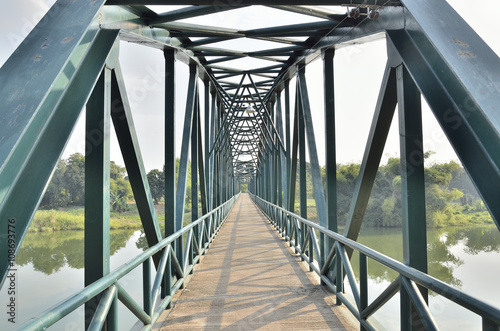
73,218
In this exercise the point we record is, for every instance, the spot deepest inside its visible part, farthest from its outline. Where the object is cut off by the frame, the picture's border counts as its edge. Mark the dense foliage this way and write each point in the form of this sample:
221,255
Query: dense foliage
67,187
451,198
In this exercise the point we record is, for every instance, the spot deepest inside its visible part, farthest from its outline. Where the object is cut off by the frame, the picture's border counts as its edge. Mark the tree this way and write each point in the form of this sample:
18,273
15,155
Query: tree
74,178
156,180
115,171
56,195
120,192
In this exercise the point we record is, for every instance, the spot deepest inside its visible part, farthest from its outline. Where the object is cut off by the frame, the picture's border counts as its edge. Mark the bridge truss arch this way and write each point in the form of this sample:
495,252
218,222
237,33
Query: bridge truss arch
70,61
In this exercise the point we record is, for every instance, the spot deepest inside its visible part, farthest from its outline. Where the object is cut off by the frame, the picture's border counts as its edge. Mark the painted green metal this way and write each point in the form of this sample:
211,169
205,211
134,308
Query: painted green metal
194,159
412,187
463,105
330,147
121,115
40,148
434,51
377,137
170,162
45,51
414,276
103,309
183,165
319,193
52,315
146,286
223,3
97,181
363,283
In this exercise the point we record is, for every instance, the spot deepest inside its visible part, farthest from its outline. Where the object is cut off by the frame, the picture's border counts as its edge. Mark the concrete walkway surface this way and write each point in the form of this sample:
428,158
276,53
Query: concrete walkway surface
250,280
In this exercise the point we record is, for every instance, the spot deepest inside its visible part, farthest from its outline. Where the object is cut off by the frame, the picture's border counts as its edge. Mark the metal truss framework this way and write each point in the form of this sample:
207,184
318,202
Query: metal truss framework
69,62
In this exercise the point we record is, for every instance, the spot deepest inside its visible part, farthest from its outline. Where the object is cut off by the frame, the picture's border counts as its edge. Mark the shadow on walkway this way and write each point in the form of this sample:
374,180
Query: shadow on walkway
249,280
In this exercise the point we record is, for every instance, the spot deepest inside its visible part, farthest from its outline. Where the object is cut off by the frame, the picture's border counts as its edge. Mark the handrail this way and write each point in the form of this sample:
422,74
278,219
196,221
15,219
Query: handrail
110,283
286,224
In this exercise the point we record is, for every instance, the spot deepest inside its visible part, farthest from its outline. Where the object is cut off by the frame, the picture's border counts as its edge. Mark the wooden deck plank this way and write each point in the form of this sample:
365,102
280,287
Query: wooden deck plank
250,280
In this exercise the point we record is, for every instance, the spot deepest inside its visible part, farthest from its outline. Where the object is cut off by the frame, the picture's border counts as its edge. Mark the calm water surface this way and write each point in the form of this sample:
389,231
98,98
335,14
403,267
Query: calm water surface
466,258
50,268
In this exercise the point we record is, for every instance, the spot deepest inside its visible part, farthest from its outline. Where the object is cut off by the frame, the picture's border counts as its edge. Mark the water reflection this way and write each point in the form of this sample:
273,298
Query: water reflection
51,252
442,258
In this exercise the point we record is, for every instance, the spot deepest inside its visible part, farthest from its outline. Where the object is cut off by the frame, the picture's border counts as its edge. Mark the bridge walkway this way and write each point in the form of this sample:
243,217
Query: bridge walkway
250,280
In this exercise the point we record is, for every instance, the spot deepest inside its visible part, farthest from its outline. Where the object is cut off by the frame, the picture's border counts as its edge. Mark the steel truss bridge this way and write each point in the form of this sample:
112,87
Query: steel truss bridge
70,62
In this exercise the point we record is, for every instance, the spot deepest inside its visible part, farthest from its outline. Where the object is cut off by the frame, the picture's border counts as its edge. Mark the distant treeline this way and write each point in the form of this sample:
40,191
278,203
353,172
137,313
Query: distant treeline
450,195
67,187
451,198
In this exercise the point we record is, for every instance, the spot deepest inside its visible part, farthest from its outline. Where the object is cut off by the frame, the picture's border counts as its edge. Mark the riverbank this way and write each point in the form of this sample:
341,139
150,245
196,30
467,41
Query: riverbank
73,218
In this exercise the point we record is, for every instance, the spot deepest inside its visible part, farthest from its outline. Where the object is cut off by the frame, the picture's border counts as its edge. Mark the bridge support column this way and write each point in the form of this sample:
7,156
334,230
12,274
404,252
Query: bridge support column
302,165
412,188
170,162
97,179
330,150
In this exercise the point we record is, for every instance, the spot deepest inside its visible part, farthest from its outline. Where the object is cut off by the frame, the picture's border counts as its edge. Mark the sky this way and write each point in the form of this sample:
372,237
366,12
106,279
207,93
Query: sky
358,74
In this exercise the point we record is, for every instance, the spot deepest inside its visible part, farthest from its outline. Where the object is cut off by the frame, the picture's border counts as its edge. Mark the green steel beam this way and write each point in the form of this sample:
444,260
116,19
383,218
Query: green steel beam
381,123
208,163
319,193
301,125
129,146
170,163
218,137
202,172
183,165
44,139
194,159
206,41
37,64
231,3
291,30
412,187
312,11
293,159
330,147
287,139
170,156
459,76
97,198
195,30
189,12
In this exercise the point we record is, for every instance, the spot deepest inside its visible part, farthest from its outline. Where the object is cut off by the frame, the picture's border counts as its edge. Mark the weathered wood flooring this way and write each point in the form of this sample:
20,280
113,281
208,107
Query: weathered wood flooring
249,280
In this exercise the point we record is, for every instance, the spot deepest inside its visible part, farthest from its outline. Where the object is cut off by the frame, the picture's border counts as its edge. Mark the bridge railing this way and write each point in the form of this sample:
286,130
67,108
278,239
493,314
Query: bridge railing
335,265
157,296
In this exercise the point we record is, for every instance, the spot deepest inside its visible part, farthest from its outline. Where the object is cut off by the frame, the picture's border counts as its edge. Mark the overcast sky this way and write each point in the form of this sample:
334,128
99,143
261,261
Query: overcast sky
358,74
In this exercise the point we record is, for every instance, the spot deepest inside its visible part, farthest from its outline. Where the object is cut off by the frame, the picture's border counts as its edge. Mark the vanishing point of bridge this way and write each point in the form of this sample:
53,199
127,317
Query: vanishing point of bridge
256,128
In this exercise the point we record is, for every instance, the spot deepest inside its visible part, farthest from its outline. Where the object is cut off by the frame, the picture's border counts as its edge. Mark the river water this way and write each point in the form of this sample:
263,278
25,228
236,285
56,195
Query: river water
50,268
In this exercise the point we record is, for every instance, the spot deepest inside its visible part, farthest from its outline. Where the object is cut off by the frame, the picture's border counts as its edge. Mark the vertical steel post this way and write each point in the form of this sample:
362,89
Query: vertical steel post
412,187
170,158
302,165
180,194
210,165
146,286
330,149
194,170
363,283
207,142
97,242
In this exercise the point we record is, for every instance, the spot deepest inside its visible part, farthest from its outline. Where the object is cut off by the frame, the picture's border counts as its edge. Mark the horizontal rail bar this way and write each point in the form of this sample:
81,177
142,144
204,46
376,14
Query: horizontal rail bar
465,300
102,309
58,311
